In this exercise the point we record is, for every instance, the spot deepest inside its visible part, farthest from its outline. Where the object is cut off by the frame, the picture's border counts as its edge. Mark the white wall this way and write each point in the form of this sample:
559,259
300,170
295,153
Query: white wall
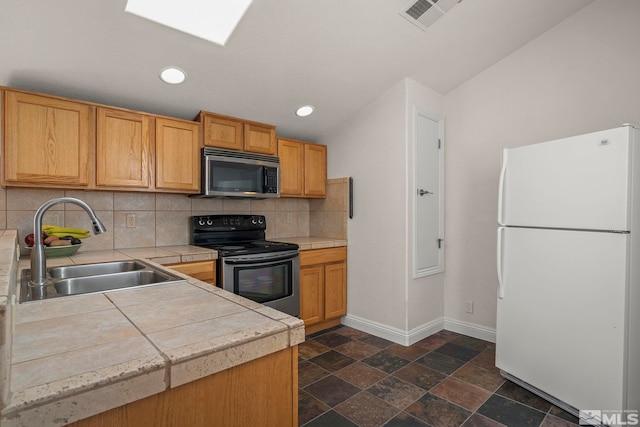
374,148
366,146
425,296
582,75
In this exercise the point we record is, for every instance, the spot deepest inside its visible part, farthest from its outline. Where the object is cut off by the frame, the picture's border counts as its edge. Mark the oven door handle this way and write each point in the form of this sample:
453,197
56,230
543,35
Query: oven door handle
253,259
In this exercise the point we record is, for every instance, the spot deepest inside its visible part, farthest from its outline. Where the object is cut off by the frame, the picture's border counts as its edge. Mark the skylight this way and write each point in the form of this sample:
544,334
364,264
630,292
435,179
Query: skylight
212,20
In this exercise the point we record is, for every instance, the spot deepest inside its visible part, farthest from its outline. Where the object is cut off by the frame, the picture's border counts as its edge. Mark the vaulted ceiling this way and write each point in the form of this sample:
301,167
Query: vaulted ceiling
337,55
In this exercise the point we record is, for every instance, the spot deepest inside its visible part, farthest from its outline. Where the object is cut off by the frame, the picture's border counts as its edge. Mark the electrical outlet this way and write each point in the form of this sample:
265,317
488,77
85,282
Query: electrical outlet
469,307
289,218
131,220
51,218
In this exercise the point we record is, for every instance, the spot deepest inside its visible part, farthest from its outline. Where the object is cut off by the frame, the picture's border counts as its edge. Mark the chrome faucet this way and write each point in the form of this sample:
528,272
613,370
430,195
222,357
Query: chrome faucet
38,262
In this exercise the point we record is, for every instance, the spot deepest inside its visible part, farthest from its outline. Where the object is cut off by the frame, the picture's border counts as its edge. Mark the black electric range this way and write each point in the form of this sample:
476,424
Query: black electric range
249,265
234,235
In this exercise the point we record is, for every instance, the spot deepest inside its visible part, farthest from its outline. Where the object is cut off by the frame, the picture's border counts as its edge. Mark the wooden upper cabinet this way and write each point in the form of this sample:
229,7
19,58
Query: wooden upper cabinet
238,134
315,170
177,155
291,155
123,149
222,132
260,139
303,169
47,141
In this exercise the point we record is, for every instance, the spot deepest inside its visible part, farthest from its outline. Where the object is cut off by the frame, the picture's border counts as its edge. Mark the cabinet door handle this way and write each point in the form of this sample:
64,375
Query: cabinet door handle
422,192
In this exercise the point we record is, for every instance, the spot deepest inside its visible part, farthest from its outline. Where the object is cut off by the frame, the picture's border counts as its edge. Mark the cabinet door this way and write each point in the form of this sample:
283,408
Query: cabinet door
222,132
335,290
123,149
177,155
311,294
47,140
315,170
291,155
260,139
201,270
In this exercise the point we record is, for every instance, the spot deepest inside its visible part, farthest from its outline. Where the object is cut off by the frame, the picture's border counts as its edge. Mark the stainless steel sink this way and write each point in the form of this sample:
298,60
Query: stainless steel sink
82,270
94,278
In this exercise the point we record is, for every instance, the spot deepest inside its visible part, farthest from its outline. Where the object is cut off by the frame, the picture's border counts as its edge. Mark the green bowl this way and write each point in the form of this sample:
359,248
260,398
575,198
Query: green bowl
60,251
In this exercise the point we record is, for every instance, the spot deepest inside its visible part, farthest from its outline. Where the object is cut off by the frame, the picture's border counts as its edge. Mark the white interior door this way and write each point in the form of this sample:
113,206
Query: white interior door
582,182
562,312
428,252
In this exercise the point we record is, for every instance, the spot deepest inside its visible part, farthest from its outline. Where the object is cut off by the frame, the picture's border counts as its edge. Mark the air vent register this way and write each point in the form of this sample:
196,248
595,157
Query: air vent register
423,13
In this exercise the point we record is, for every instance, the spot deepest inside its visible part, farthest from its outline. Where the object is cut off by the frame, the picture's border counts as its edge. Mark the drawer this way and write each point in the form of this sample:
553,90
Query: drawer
323,256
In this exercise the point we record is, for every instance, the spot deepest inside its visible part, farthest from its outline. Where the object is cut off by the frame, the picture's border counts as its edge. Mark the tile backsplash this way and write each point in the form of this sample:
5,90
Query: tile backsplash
329,216
163,219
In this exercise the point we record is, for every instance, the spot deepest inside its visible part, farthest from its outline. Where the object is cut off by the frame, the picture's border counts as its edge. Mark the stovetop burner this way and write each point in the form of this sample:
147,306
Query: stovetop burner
256,247
234,235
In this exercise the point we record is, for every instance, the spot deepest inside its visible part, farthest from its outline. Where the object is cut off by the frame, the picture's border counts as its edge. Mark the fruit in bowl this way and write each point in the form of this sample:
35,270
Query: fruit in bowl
58,241
30,240
52,241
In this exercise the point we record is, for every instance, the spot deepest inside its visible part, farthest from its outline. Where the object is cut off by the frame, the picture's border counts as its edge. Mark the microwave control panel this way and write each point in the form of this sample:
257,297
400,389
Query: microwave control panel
270,180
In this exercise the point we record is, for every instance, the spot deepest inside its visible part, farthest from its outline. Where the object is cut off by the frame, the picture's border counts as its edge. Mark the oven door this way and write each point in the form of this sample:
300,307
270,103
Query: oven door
271,278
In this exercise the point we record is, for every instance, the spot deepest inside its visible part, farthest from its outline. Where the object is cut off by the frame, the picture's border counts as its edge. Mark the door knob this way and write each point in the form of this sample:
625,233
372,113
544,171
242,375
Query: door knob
422,192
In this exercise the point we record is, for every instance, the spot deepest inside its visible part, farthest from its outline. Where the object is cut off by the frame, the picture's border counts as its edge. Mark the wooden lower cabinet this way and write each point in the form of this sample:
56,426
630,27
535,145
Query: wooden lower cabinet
323,288
312,294
263,392
201,270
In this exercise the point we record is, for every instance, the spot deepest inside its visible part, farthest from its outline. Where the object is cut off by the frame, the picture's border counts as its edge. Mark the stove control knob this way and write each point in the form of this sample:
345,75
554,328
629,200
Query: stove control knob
209,222
260,220
254,220
201,221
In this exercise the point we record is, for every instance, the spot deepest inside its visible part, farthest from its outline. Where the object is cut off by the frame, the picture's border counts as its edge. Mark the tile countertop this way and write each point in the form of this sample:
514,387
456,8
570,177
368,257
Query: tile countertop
307,243
78,356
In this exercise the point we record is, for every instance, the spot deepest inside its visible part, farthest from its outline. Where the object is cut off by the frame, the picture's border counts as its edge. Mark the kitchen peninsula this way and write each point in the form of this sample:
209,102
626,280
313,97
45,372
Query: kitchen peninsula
178,354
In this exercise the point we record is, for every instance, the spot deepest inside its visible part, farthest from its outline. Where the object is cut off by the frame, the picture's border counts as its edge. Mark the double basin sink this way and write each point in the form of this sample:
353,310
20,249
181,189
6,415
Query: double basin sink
93,278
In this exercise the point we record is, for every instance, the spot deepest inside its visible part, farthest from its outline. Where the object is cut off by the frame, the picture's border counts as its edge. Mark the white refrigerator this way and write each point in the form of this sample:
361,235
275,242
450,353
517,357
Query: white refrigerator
568,315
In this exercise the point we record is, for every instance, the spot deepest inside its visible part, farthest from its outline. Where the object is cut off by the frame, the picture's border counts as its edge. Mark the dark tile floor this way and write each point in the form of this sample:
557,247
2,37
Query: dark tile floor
350,378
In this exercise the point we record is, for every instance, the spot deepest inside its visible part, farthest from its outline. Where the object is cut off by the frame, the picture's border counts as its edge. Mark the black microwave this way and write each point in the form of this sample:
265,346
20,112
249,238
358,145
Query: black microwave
227,173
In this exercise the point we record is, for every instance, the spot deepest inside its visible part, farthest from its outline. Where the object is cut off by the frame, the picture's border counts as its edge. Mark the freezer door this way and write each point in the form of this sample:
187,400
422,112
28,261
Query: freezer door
561,317
582,182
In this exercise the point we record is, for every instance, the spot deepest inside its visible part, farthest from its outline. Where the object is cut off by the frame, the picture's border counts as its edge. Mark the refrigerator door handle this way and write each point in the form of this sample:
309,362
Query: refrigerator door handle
499,264
503,173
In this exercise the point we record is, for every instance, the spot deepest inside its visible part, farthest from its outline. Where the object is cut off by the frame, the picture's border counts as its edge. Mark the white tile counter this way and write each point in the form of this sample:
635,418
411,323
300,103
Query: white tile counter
307,243
74,357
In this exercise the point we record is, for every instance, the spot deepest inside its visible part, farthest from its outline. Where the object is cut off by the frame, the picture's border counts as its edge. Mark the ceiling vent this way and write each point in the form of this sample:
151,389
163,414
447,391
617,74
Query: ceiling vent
423,13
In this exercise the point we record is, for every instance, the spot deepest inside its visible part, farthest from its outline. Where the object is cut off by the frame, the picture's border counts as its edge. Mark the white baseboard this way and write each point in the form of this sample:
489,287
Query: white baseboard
407,338
390,333
470,329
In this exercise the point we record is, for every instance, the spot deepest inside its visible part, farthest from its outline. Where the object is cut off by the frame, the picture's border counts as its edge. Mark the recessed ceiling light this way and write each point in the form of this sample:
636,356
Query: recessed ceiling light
172,75
304,111
212,20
